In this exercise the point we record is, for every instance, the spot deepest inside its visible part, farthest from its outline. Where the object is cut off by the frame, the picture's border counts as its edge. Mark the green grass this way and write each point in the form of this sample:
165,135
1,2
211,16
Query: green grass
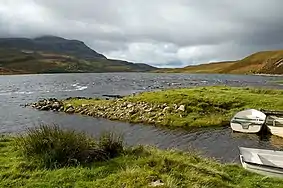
204,106
53,147
137,167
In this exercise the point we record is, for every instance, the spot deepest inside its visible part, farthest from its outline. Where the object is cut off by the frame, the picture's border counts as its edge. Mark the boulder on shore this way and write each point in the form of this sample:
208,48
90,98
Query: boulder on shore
48,104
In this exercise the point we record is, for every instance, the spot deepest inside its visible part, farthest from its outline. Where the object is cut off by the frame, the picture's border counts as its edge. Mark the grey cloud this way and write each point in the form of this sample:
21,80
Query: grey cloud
159,32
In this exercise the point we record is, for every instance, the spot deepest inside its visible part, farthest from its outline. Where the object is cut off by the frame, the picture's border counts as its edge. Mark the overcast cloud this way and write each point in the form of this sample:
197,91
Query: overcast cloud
164,33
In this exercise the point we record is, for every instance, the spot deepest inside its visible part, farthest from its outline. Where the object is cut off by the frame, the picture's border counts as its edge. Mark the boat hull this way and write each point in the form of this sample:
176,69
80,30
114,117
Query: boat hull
277,131
265,162
265,171
248,121
252,128
275,125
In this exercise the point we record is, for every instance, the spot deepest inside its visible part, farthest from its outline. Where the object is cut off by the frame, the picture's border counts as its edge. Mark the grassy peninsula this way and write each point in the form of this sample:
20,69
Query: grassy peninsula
174,108
108,163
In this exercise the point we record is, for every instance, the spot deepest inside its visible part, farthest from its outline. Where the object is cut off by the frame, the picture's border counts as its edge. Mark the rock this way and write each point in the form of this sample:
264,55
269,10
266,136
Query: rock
78,110
61,109
52,99
175,106
56,105
113,96
130,105
70,110
166,109
84,111
133,111
89,113
181,108
159,114
156,183
42,103
69,106
149,110
45,108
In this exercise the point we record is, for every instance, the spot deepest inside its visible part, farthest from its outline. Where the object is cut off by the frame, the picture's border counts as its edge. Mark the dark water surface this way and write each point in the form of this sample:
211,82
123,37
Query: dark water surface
218,143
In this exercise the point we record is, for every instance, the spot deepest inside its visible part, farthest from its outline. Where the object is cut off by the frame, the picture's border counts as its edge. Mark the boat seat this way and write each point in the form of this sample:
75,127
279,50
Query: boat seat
274,120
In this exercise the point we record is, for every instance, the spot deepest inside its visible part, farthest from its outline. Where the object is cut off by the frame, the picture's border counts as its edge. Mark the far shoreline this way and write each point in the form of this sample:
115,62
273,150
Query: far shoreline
188,73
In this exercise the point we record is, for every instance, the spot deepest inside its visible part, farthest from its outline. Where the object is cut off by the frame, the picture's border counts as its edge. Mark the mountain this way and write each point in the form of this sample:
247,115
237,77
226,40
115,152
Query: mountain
51,54
265,62
51,44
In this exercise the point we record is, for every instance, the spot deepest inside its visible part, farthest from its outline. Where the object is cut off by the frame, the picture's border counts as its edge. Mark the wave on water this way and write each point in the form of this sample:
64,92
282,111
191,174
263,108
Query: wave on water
74,85
77,87
24,92
80,88
17,92
7,93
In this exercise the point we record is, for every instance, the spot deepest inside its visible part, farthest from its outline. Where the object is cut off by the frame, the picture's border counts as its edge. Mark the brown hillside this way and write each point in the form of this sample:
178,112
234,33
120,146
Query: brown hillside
265,62
203,68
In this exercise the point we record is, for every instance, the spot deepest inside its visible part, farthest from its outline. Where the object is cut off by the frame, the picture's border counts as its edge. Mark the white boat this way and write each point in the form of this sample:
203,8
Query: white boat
248,121
274,122
264,162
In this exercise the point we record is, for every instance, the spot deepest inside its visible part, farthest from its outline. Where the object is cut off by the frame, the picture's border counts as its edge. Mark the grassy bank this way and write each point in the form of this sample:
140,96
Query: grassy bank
131,167
180,108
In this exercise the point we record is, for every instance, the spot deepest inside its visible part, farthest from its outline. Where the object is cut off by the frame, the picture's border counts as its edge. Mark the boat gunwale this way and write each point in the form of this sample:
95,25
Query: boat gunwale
261,165
245,122
251,119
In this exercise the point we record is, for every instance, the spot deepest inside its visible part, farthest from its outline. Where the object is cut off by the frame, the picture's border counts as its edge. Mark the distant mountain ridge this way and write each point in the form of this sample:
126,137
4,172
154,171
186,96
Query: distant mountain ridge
52,44
51,54
264,62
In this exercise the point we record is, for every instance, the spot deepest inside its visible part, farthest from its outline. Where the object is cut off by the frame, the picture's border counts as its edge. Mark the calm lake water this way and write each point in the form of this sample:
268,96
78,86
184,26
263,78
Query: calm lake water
220,143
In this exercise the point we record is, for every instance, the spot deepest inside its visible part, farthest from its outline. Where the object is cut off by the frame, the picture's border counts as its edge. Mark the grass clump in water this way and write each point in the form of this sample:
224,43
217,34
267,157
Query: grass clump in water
53,147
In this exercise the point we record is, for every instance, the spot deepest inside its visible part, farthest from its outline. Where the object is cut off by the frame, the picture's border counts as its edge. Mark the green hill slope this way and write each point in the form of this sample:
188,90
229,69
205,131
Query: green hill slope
57,55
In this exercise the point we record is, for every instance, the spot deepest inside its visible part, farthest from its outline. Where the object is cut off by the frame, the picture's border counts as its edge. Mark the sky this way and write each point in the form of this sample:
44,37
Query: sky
162,33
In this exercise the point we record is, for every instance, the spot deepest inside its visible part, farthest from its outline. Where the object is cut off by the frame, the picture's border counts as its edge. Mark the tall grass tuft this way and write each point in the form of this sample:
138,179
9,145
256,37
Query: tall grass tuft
111,144
53,147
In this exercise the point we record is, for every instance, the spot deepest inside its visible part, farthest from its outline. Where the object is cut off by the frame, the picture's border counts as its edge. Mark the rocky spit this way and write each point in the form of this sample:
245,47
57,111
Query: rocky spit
115,109
48,104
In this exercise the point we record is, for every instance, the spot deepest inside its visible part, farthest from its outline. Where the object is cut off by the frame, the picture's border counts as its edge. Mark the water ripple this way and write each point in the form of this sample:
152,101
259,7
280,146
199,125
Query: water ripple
218,143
